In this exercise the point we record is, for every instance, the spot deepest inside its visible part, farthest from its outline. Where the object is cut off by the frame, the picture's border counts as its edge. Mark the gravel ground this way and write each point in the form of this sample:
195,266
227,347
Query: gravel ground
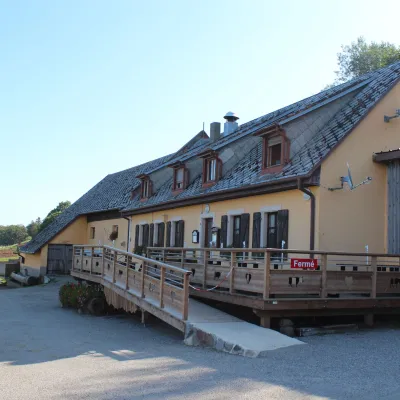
50,353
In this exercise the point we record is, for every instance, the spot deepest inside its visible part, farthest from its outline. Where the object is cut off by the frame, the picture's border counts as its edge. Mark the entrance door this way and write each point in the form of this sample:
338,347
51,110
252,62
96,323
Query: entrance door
208,223
59,259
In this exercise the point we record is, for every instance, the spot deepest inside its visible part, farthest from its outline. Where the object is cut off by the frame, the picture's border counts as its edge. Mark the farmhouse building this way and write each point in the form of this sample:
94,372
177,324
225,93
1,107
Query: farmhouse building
281,180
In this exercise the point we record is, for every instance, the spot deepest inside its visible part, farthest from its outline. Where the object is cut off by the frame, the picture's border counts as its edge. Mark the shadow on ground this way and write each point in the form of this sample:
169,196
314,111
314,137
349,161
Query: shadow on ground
67,355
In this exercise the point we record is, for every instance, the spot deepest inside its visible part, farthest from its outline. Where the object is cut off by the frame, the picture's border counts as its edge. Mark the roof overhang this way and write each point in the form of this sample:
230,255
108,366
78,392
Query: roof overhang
280,185
385,157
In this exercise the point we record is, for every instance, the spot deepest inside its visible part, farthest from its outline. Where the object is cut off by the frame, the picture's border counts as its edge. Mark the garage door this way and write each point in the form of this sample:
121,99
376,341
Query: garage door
59,259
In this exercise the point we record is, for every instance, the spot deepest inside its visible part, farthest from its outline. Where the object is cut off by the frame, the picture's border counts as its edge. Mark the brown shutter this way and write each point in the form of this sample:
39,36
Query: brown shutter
161,234
244,229
168,241
151,236
181,238
224,231
145,235
256,230
136,236
283,228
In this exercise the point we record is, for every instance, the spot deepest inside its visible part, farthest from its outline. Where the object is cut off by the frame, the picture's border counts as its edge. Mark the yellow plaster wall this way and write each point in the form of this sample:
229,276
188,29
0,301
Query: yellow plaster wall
103,230
349,220
72,234
293,200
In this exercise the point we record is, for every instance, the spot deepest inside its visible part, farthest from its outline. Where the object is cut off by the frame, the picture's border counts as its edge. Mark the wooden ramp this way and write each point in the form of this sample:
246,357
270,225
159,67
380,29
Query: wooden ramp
134,282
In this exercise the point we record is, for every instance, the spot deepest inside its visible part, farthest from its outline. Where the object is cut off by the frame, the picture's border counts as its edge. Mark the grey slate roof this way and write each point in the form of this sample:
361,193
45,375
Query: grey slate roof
114,191
247,172
111,193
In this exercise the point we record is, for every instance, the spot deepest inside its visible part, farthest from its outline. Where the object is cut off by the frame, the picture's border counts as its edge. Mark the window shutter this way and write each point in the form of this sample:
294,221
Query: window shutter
151,236
161,235
224,230
146,235
244,229
256,230
187,178
283,228
136,236
181,233
168,241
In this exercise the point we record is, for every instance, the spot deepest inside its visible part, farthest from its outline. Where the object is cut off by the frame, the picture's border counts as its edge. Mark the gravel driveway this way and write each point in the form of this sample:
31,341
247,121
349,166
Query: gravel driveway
50,353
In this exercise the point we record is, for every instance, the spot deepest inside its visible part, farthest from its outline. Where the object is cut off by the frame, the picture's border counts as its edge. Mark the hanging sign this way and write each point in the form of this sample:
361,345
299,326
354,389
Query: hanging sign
304,263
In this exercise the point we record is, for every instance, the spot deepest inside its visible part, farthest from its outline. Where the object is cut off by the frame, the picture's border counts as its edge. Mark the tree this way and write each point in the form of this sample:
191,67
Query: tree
53,214
34,227
12,234
361,57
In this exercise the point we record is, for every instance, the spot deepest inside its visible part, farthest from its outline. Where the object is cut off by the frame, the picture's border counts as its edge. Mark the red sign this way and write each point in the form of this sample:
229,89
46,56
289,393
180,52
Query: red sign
303,263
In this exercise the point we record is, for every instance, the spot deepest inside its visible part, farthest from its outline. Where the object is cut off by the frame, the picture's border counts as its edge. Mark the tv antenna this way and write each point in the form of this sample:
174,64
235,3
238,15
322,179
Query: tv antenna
349,181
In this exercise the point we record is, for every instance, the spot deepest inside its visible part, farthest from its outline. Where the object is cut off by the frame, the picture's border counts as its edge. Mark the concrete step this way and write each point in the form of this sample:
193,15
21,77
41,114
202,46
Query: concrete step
209,327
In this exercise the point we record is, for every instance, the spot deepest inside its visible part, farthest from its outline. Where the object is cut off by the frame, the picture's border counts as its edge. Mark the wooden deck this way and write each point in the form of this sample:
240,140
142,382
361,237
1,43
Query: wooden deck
265,280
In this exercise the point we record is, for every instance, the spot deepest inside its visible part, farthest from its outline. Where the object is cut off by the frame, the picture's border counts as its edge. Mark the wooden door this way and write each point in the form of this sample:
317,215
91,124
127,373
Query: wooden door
59,259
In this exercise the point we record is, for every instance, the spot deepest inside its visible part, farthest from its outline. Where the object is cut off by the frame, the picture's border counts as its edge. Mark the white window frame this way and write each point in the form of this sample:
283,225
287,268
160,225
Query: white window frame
156,223
231,214
264,218
173,221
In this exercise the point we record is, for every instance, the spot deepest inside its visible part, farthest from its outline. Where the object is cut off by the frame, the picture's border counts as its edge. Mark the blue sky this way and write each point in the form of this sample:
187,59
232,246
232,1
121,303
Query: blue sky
91,87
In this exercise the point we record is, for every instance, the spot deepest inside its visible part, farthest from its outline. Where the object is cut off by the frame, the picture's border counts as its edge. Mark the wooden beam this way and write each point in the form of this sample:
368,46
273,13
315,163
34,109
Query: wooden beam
324,265
374,276
232,277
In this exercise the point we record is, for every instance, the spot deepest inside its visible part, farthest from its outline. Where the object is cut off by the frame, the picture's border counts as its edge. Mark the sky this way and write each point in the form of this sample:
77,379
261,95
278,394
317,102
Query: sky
92,87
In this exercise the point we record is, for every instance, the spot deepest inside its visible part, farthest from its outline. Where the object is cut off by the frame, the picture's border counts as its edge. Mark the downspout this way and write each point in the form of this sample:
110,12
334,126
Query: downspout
129,233
308,192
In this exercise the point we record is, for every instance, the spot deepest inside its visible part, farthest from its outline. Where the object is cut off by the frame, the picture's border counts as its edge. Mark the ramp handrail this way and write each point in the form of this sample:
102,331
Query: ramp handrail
166,286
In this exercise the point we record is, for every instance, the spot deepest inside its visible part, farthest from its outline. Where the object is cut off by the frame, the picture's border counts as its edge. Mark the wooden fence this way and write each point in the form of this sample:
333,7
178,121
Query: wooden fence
269,273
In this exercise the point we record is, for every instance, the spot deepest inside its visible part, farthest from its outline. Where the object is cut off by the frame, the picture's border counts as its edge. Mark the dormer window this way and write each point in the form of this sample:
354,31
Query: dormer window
211,168
273,149
276,149
180,177
145,188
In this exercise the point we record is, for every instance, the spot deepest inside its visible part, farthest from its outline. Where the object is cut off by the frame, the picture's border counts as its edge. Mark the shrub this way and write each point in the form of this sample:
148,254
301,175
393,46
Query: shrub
77,295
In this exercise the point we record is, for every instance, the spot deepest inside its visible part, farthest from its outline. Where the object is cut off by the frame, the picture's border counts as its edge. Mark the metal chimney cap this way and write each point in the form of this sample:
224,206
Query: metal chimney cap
231,116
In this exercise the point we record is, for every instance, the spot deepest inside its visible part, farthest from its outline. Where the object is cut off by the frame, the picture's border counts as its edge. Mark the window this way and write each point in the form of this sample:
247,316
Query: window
276,149
236,232
92,232
180,174
145,189
115,231
273,156
175,233
271,229
211,168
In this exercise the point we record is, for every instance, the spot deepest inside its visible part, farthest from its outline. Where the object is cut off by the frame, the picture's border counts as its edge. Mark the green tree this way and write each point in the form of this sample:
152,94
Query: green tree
34,227
361,57
53,214
12,234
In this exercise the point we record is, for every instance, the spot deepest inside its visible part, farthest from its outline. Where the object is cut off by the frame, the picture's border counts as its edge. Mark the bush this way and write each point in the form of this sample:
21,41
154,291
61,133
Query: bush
77,295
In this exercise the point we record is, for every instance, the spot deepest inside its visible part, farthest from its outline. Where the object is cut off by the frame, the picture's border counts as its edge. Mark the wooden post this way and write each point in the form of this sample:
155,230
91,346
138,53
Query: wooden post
114,266
185,296
91,260
232,277
267,275
374,276
82,251
265,321
128,261
205,260
163,255
324,265
102,261
162,281
182,257
142,283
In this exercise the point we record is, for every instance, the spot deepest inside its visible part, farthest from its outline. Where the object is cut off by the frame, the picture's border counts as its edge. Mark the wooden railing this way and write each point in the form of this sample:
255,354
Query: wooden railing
165,286
269,273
